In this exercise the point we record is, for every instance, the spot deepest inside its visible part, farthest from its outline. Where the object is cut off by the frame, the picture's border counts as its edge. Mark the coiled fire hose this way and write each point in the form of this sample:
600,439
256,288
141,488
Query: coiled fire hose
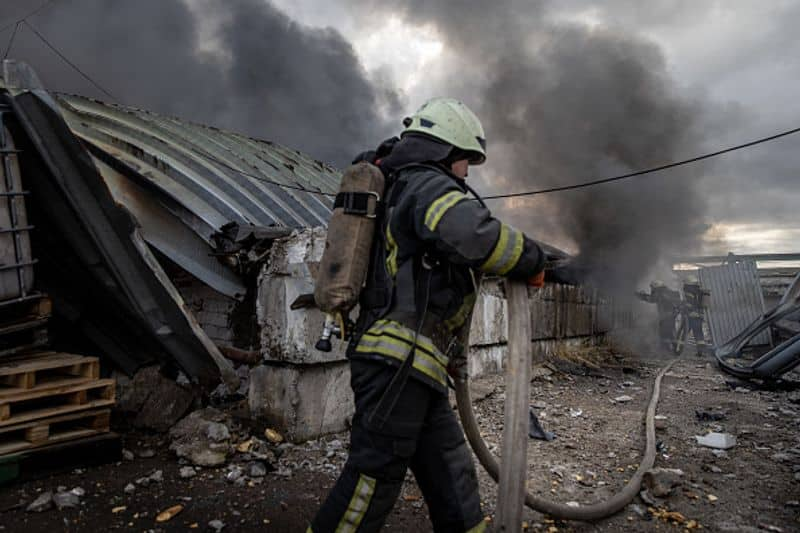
589,512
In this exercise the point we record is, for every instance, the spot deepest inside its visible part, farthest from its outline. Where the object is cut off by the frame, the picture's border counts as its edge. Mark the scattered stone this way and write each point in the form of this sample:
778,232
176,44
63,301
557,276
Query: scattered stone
187,472
257,469
157,401
660,422
782,457
273,436
216,525
792,503
660,481
130,488
157,476
720,454
217,432
128,455
64,500
638,510
623,399
711,498
42,503
147,453
200,438
714,469
718,441
168,514
575,413
284,471
79,492
704,415
234,474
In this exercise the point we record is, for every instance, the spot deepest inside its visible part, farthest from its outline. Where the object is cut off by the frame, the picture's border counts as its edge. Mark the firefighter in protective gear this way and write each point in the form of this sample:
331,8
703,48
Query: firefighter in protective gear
693,295
419,292
667,305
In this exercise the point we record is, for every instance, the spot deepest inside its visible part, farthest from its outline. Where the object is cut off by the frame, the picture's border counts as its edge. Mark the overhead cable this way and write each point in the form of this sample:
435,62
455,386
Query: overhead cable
28,15
645,171
68,62
491,197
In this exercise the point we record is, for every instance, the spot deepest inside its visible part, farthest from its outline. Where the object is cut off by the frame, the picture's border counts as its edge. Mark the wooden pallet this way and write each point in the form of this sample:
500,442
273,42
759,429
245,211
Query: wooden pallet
32,308
44,402
52,430
46,370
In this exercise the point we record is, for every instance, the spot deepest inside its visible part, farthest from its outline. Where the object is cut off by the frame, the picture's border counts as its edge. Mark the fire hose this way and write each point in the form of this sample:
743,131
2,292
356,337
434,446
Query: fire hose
594,511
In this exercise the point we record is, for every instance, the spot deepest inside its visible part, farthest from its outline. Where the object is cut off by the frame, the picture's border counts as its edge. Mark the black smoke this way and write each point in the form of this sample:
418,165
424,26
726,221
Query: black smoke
564,103
239,64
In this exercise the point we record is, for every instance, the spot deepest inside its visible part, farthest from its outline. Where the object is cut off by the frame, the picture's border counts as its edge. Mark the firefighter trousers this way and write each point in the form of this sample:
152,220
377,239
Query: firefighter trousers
422,434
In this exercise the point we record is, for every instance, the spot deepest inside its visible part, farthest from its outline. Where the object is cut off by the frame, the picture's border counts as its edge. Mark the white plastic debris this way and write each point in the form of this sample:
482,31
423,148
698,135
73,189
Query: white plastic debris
718,441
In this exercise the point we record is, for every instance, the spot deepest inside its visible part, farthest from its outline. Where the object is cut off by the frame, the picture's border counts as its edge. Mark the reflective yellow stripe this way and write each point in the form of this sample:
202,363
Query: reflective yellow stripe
457,320
439,207
392,348
391,247
506,252
399,330
392,339
358,505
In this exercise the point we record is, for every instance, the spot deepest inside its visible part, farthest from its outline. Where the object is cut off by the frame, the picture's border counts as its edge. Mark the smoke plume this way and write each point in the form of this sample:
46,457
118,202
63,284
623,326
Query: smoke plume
238,64
564,103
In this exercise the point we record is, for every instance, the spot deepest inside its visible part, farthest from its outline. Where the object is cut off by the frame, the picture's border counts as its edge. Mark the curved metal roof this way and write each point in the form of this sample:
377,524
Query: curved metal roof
215,175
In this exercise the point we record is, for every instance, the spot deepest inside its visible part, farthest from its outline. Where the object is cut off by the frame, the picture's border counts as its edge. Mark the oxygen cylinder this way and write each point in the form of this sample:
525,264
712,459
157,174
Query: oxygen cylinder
347,249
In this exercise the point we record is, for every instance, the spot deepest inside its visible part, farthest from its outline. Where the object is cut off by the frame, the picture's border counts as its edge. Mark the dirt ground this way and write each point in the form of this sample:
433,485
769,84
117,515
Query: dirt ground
754,486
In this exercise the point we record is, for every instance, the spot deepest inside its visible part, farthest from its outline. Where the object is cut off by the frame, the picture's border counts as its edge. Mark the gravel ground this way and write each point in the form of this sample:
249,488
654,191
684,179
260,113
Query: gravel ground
754,486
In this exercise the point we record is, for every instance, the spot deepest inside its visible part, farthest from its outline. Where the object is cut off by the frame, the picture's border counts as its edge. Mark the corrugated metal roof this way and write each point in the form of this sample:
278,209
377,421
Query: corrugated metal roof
736,300
201,167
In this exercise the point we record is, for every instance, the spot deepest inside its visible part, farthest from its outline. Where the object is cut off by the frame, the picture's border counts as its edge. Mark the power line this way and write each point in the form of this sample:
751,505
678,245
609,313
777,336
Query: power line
646,171
70,63
491,197
11,40
29,15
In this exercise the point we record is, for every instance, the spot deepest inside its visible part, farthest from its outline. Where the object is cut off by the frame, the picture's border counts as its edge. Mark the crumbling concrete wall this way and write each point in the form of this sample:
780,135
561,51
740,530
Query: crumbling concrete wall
305,393
562,318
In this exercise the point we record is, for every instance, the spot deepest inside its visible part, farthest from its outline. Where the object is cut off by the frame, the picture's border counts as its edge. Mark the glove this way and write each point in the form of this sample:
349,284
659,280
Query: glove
566,275
537,280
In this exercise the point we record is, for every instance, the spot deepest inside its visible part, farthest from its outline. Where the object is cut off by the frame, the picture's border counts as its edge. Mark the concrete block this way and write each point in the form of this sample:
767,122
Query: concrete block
489,321
302,401
287,335
485,360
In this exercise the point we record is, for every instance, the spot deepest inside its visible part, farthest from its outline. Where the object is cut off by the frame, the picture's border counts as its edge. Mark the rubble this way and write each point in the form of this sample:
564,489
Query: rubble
64,500
203,437
187,472
216,525
42,503
623,399
718,441
156,401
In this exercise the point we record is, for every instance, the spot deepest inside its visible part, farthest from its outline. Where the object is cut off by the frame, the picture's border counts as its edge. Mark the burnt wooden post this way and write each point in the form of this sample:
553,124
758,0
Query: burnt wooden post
514,466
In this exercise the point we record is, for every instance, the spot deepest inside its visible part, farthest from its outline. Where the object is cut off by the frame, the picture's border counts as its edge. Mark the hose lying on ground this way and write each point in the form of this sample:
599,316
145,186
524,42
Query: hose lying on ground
590,512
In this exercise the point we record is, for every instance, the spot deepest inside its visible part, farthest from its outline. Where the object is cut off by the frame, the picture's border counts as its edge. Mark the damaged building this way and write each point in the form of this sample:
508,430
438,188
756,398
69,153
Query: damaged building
163,242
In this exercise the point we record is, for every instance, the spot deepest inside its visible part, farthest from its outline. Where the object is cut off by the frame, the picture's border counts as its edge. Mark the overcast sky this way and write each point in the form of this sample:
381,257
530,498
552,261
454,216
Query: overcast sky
333,75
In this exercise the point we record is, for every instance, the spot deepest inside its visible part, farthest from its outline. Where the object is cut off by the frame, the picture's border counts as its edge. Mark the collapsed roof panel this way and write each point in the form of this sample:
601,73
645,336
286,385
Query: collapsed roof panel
216,174
94,248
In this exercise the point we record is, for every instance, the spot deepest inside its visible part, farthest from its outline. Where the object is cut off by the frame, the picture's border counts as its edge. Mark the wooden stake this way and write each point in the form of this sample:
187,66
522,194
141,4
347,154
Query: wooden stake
514,467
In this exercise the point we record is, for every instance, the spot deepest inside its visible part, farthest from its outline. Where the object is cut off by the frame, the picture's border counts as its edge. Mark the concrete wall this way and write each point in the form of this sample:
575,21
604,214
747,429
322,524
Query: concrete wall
306,393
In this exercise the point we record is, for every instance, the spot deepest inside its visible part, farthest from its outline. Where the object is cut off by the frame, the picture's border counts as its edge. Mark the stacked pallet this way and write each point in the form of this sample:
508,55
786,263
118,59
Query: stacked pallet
51,397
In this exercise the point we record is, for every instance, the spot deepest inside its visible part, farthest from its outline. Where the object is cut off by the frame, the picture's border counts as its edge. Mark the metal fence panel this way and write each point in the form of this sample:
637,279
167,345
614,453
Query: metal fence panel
736,300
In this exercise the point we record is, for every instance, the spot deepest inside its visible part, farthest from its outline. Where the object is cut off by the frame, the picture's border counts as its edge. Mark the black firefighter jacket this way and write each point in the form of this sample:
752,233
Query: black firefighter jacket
430,216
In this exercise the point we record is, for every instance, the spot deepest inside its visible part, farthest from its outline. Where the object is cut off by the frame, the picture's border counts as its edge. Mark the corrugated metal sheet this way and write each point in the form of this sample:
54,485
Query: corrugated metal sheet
201,168
736,300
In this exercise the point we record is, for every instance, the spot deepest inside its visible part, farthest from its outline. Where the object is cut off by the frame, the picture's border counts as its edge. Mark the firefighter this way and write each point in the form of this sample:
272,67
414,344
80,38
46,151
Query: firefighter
693,295
667,305
419,292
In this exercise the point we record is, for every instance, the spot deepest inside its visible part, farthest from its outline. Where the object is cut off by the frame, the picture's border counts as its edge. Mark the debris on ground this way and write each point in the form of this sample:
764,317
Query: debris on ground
718,441
203,437
661,481
536,431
